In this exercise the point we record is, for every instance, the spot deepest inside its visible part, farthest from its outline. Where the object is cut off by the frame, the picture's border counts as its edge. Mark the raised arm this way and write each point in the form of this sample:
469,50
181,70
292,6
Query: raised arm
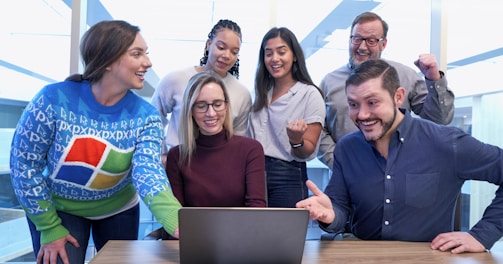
431,98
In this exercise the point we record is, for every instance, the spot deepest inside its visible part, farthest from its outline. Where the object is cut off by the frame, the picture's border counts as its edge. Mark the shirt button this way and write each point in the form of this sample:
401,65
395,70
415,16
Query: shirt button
388,177
388,201
386,222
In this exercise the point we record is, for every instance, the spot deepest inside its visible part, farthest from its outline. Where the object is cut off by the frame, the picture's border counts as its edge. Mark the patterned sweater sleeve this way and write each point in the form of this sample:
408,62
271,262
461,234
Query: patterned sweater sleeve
32,140
149,177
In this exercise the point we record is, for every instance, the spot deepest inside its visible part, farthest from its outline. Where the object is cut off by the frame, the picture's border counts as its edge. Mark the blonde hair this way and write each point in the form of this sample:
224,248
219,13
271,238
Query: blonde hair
188,131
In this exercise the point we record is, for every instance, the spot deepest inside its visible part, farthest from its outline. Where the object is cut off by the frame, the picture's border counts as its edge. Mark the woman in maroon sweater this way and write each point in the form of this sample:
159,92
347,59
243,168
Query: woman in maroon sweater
211,166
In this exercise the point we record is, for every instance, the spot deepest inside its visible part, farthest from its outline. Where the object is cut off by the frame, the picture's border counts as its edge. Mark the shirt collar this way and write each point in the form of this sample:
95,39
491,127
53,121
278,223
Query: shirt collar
403,129
293,90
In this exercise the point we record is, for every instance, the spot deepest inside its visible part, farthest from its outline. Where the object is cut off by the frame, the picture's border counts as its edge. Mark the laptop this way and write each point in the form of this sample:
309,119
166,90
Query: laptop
242,235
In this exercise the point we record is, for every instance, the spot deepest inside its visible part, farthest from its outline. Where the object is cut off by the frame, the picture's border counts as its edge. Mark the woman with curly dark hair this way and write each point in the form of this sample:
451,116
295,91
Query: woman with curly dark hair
221,56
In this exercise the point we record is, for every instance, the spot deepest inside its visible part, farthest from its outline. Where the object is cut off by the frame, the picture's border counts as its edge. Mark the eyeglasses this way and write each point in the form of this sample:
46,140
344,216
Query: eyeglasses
202,107
371,42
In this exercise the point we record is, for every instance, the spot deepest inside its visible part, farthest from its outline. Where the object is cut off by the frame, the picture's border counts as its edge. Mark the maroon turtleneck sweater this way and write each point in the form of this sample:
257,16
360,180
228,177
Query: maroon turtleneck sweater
224,172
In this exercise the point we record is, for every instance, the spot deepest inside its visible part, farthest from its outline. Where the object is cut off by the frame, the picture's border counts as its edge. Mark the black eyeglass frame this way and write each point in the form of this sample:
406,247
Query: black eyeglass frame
357,40
207,106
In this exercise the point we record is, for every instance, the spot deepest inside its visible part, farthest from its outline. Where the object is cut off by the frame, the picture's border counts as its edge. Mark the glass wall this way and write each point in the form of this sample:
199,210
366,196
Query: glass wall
35,50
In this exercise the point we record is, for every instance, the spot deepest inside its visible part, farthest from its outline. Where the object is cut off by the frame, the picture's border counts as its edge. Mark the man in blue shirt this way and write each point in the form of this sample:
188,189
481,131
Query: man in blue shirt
398,178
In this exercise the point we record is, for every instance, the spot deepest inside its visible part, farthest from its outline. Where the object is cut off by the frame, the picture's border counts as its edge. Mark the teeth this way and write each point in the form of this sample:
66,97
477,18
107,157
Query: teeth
368,123
210,121
140,73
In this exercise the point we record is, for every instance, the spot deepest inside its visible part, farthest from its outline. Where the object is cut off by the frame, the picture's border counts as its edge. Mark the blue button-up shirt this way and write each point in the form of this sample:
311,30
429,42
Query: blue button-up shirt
411,196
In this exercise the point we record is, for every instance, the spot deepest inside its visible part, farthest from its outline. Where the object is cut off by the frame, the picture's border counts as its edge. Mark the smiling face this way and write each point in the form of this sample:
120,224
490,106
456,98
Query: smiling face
359,53
223,51
278,58
372,108
210,122
129,71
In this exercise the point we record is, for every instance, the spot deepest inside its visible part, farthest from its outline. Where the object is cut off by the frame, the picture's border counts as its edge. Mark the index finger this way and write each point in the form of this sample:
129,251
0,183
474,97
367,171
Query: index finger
313,188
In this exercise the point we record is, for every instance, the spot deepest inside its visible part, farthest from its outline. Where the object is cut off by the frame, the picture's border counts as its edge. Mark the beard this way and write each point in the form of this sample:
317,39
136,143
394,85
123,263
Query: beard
353,63
386,127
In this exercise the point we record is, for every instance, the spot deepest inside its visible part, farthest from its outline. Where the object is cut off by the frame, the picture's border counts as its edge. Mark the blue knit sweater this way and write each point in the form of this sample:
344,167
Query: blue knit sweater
70,153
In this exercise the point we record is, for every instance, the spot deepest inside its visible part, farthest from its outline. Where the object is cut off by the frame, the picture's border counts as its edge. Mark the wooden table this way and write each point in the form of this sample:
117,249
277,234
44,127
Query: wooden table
315,251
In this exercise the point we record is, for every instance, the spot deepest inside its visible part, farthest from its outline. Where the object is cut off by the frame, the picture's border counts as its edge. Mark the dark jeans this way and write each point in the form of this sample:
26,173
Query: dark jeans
123,226
286,182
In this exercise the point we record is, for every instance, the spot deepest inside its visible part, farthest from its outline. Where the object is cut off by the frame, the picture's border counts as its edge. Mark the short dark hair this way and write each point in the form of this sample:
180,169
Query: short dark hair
375,68
370,16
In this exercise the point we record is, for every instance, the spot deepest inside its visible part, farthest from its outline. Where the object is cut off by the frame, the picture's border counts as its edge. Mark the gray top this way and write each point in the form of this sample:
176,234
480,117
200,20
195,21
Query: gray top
268,125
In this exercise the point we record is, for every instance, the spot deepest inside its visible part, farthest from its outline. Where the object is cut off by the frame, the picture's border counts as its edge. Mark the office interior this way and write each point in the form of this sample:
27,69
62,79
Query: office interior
39,45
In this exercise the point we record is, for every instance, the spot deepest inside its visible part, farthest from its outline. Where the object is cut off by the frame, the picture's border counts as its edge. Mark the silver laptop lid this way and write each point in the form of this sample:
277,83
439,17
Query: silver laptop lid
242,235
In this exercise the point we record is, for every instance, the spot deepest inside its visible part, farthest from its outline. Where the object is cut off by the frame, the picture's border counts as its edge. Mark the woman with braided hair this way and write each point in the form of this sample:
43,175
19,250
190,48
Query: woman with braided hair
220,56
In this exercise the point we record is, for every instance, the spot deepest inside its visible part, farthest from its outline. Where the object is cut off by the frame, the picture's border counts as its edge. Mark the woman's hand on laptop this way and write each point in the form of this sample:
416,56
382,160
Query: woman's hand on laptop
176,233
319,205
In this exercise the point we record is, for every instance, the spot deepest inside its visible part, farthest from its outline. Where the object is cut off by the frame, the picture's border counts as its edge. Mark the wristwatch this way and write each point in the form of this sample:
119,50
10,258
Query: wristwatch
298,145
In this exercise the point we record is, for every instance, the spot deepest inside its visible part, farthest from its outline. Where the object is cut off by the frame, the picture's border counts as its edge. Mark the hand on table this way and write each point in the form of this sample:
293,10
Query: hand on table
457,242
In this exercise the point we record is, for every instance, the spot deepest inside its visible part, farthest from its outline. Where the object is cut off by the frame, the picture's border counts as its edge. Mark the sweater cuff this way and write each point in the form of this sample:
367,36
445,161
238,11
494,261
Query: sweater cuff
53,234
49,226
164,206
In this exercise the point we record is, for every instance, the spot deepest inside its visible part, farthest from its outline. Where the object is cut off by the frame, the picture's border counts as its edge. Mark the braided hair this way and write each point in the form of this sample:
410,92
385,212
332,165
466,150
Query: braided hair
222,24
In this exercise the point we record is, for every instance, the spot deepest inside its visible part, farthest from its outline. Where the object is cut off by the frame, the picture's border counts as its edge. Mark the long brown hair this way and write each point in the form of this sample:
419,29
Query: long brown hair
103,44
